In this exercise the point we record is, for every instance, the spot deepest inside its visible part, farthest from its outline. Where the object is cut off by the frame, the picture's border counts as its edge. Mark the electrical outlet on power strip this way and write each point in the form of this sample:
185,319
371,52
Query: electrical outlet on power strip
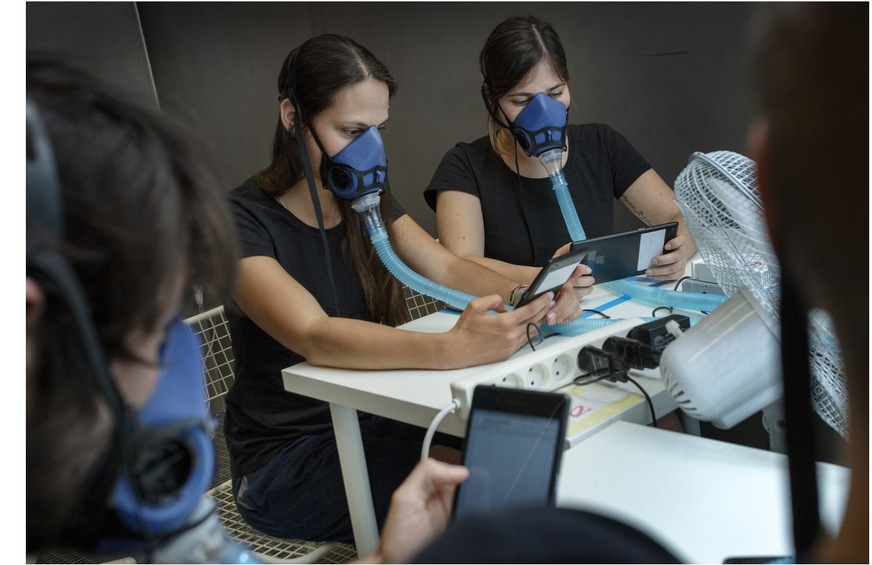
552,365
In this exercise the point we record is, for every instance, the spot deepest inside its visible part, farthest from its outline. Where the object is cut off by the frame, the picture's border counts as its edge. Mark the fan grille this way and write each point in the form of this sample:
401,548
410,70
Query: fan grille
719,198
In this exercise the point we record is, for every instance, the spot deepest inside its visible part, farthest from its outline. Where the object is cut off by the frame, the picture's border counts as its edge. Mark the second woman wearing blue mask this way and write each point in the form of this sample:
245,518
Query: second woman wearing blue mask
496,204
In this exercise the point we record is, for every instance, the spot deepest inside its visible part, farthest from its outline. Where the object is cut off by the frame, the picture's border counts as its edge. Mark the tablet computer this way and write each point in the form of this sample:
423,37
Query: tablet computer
622,255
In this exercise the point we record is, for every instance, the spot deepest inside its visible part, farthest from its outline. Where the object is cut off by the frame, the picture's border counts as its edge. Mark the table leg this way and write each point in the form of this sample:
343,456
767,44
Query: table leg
690,424
356,478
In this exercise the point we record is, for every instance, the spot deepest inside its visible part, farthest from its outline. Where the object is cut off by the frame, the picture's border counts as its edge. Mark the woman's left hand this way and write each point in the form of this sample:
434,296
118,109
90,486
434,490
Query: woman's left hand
671,265
567,305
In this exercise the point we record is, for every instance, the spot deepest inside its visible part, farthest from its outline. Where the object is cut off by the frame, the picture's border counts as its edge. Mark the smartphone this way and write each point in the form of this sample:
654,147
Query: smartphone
553,275
513,448
627,254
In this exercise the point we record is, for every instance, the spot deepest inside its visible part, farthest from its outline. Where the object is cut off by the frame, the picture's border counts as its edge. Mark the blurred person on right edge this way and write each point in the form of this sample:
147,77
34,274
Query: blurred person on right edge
812,137
812,67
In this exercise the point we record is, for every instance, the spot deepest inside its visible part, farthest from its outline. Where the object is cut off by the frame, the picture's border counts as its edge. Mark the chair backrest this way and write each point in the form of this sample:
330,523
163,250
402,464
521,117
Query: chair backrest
420,305
214,334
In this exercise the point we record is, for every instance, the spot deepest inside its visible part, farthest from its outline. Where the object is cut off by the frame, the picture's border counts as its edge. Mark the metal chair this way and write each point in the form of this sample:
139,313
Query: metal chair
212,329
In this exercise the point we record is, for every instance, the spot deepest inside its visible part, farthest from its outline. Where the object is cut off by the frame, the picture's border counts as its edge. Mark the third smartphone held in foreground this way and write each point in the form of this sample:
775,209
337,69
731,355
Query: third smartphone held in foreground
513,448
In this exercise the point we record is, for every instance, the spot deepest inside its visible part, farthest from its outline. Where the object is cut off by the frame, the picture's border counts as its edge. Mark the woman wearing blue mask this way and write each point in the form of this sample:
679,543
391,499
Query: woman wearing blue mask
311,287
496,204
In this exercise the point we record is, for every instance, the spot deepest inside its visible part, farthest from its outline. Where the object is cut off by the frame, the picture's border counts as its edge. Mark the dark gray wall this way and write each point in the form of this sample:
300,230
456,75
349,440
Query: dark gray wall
673,77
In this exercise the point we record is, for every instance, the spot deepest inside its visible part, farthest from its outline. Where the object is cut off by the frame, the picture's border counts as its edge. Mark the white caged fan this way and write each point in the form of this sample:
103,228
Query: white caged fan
726,367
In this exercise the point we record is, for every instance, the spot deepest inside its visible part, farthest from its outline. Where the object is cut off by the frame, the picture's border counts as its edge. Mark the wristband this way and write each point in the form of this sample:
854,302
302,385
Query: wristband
516,294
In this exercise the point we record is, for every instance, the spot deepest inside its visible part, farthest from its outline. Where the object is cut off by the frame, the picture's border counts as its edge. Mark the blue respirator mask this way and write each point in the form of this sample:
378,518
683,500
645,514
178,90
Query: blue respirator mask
173,457
360,168
169,457
541,125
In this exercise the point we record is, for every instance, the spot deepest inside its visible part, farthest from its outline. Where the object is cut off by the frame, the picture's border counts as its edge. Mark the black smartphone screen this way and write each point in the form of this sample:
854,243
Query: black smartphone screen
553,275
513,447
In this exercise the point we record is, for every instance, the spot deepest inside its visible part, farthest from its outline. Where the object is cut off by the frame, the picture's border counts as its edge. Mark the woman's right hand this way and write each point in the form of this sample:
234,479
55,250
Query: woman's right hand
481,336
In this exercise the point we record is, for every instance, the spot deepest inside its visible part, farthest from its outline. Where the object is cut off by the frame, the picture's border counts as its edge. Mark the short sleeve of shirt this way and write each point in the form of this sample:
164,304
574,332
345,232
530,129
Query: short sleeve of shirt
249,206
626,162
456,171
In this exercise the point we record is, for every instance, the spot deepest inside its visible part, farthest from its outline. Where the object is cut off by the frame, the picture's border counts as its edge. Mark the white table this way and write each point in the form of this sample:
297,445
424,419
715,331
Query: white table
417,396
704,499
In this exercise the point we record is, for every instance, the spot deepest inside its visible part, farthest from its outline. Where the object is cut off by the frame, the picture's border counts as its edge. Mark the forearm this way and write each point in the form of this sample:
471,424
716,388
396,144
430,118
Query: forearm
355,344
473,277
689,247
518,273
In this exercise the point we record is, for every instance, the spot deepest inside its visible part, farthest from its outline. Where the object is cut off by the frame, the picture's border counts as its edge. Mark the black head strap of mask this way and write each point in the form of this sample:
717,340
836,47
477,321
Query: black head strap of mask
290,92
798,414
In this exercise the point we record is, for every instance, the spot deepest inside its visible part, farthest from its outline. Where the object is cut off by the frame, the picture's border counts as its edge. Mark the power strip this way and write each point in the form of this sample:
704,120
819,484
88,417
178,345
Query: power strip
551,366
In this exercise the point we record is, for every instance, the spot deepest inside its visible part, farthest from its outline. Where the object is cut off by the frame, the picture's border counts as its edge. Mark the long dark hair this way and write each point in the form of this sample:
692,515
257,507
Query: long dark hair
321,67
142,214
512,49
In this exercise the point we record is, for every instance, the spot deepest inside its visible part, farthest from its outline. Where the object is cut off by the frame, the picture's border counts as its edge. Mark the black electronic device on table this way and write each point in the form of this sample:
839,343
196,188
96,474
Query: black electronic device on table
623,255
553,275
513,448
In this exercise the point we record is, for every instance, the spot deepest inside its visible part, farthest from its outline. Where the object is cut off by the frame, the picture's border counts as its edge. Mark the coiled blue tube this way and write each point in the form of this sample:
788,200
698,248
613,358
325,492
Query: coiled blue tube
368,206
413,280
551,160
663,297
580,326
567,208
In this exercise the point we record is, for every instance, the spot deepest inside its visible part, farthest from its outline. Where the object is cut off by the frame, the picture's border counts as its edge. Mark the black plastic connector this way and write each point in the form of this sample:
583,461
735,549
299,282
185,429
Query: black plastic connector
597,362
655,335
632,352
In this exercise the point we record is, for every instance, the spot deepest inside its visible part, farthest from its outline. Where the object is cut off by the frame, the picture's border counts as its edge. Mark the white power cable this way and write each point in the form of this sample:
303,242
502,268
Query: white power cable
428,437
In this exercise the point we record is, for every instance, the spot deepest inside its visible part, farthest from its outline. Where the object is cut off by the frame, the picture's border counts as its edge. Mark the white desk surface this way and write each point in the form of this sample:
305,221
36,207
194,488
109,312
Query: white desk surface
704,499
415,396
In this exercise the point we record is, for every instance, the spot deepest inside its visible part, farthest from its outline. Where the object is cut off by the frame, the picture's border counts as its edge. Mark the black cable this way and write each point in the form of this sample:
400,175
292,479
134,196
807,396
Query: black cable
542,337
654,311
577,380
606,316
681,280
647,399
538,332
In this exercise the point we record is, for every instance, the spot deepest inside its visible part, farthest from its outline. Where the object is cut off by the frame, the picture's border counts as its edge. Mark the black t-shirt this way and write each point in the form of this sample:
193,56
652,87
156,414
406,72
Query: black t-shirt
523,224
261,416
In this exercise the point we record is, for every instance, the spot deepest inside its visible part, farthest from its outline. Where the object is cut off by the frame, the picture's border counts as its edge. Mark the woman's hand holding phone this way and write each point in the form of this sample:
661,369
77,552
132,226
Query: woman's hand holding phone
581,282
479,336
671,264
